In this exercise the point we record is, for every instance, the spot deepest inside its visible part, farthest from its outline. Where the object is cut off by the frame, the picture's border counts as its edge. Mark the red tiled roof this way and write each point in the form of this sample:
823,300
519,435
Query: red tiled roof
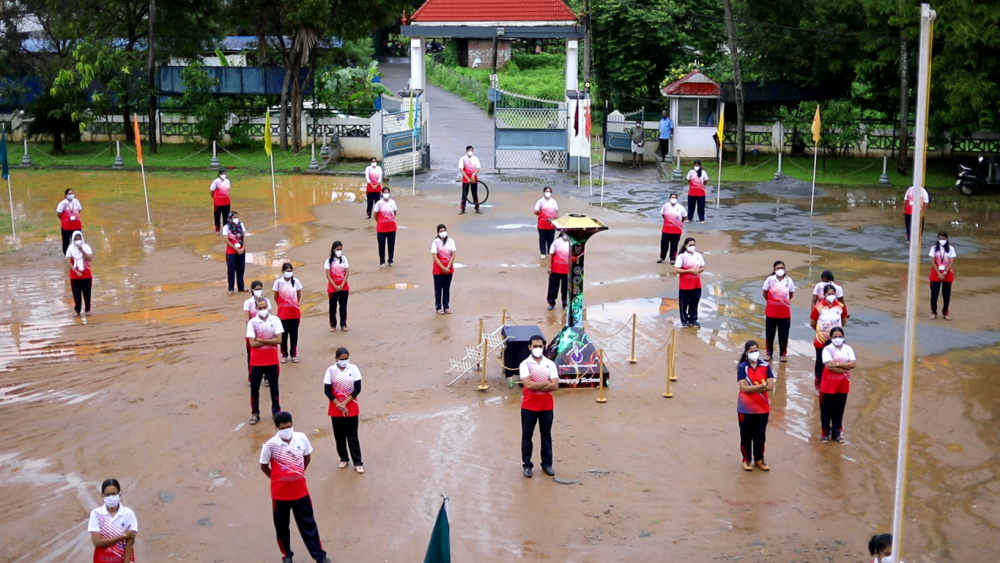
693,83
498,11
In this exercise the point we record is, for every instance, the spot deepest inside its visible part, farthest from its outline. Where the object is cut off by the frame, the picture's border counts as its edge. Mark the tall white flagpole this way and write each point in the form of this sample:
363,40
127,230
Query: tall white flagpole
10,194
718,182
927,17
145,193
274,189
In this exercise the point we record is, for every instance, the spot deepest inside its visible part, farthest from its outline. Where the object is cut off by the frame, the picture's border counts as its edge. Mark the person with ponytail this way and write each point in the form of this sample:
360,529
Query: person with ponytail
880,547
234,233
287,293
113,527
753,405
942,274
337,290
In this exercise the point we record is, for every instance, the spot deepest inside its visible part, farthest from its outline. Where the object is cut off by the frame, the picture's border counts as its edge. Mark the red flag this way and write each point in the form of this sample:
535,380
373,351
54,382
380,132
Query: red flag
588,121
576,119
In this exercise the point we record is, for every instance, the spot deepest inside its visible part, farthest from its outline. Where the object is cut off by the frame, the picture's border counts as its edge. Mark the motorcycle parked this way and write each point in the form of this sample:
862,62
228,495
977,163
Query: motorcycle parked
984,176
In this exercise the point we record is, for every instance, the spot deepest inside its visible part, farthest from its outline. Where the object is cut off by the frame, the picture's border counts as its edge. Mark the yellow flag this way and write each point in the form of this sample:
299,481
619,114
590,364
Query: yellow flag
817,126
722,121
267,132
138,143
409,117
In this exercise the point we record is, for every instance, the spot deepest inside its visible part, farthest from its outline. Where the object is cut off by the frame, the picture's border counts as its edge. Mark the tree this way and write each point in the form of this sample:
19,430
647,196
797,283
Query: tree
734,54
49,118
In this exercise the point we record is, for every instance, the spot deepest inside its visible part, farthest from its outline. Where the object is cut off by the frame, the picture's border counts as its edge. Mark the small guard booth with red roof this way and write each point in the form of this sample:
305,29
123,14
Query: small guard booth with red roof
694,109
529,133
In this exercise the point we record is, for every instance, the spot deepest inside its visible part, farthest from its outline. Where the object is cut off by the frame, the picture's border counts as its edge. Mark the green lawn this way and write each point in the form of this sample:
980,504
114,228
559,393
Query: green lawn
829,171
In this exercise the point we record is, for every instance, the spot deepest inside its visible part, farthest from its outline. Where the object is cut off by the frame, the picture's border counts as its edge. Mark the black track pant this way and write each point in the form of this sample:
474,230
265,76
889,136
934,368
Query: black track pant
470,186
338,298
81,289
664,148
290,338
302,509
221,213
442,291
557,283
236,264
258,374
345,433
372,198
67,239
908,219
779,326
668,244
544,421
688,300
831,413
386,240
545,239
753,433
819,366
699,201
944,288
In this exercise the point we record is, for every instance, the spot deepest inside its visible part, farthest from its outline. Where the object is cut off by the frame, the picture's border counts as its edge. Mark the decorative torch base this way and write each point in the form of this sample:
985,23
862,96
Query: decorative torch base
577,359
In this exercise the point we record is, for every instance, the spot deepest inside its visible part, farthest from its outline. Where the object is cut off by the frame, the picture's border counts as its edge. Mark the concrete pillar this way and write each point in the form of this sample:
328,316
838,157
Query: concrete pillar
417,76
579,144
572,62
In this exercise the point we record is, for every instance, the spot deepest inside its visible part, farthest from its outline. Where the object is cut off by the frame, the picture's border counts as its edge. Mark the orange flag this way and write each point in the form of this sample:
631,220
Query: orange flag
138,142
588,120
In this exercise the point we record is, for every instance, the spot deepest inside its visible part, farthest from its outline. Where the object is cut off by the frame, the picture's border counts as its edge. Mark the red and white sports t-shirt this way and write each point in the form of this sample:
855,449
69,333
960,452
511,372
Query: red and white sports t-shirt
543,370
111,527
560,256
445,250
338,270
69,214
80,267
836,382
288,297
373,178
820,288
288,465
827,316
696,182
264,329
547,208
236,239
689,261
673,218
385,215
250,306
341,382
753,403
220,191
470,165
940,261
908,200
779,297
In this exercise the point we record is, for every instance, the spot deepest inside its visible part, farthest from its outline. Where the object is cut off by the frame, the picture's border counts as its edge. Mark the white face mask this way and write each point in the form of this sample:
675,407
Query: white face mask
262,313
887,559
468,153
547,194
443,234
691,249
78,242
236,220
222,177
537,352
286,433
288,275
338,253
258,292
112,501
838,340
374,164
831,298
342,364
385,196
942,242
70,196
752,356
697,168
779,272
673,201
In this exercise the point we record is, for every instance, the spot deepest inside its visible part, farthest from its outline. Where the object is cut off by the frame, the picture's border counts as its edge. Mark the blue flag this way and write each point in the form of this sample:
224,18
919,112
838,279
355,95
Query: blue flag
3,156
439,548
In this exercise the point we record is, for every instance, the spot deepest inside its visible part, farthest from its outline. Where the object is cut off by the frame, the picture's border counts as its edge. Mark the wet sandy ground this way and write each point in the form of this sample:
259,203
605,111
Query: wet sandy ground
152,389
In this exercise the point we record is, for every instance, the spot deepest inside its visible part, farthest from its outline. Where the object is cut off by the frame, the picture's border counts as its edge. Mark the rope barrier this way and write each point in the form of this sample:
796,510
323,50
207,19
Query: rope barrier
40,151
616,333
797,164
763,163
620,372
861,170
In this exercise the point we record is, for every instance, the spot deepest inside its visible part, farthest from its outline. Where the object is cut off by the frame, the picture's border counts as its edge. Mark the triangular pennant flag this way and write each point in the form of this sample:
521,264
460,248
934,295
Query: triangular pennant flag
439,548
267,132
817,126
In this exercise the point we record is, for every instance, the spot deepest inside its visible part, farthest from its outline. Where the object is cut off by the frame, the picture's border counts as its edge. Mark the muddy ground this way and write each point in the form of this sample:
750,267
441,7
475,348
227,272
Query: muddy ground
152,389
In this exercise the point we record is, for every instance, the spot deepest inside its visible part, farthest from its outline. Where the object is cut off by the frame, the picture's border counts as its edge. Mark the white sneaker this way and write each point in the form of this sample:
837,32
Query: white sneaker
542,256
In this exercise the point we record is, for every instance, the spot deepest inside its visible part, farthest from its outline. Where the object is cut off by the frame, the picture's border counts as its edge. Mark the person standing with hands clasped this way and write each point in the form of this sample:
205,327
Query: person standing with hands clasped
753,405
697,178
925,198
113,527
68,210
469,165
942,274
236,258
385,226
778,292
263,334
219,190
443,251
540,377
342,385
287,293
637,136
337,290
284,459
673,225
546,208
838,361
373,184
689,265
558,271
81,279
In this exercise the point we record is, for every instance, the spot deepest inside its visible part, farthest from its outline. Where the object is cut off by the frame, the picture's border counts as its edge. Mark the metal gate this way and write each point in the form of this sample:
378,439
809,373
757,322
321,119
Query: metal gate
402,136
617,136
529,132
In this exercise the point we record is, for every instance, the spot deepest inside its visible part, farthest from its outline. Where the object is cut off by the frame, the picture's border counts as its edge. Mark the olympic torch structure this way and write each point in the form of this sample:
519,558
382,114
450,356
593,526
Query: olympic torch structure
571,350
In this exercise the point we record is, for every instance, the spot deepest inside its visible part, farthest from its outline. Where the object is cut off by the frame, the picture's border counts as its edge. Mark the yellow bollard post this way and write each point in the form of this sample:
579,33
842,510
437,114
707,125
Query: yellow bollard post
668,394
482,338
672,356
632,359
503,320
600,377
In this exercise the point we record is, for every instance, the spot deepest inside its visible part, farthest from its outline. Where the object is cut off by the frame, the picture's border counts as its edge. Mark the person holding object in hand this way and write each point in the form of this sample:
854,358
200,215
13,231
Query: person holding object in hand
469,165
236,260
81,280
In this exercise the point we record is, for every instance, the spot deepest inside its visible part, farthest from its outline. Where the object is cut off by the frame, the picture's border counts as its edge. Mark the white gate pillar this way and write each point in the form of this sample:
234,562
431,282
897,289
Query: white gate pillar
417,75
577,103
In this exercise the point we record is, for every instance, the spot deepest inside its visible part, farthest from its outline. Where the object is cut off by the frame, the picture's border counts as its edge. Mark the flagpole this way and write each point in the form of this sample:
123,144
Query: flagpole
604,148
145,194
927,17
812,199
274,190
6,174
576,128
10,194
718,183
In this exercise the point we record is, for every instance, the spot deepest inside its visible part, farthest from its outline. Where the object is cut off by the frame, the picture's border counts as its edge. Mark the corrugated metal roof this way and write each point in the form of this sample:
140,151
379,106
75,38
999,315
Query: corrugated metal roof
507,11
693,83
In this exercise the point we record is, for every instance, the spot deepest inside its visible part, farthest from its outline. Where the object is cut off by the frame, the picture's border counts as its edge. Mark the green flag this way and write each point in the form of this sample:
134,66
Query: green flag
439,548
3,155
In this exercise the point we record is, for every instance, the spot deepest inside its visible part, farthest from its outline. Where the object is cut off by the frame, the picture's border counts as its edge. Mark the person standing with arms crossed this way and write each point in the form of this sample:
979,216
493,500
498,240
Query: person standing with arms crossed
673,225
373,184
689,265
68,210
284,459
342,385
219,190
558,271
385,226
469,165
545,209
826,315
287,294
925,198
113,527
638,138
697,178
540,378
666,131
264,334
753,406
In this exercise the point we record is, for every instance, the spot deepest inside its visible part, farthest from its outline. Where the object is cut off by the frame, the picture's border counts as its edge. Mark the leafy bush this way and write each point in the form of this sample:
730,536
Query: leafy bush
539,61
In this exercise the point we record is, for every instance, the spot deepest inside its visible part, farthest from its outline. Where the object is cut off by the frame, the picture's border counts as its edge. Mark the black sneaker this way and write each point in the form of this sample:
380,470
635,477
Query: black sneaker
478,212
695,324
551,306
660,261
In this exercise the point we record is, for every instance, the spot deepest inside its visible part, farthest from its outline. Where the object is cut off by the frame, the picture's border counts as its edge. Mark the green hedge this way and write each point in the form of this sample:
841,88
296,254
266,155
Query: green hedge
539,76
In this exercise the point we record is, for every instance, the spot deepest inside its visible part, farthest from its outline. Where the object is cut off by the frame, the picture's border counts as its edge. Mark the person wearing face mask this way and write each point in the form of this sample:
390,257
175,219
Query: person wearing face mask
826,278
284,459
373,184
753,406
113,527
925,198
264,334
469,165
838,361
81,280
637,136
337,290
219,190
287,294
942,274
696,178
546,208
385,216
826,315
443,252
880,547
342,385
236,259
689,265
778,292
673,215
250,308
68,210
540,377
558,271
